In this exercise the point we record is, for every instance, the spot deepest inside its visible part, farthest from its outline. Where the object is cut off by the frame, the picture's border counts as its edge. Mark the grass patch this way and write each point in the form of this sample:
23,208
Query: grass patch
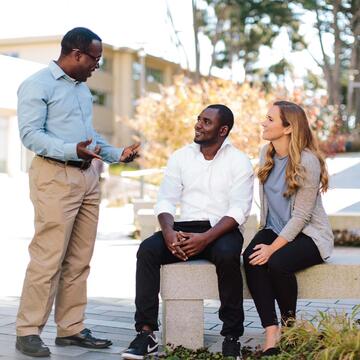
117,168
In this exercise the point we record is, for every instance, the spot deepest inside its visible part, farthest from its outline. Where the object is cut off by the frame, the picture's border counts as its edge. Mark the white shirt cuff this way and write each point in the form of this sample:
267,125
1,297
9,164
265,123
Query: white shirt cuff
237,214
70,152
164,207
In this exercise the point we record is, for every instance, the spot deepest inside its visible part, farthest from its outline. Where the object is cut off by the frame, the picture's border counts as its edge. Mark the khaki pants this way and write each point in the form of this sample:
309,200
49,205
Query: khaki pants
66,204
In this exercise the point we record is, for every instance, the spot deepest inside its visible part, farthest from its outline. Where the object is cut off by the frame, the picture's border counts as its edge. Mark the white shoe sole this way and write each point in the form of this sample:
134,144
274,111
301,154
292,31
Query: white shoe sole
137,357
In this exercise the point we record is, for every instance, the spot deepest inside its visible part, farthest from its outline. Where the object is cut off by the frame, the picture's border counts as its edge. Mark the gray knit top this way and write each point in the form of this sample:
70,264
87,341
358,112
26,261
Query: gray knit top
279,206
307,212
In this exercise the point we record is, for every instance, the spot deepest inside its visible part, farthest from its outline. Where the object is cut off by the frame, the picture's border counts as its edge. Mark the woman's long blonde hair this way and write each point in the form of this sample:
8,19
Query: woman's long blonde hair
301,138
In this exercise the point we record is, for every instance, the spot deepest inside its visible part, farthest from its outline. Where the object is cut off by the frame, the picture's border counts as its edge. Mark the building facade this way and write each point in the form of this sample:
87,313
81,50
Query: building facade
124,75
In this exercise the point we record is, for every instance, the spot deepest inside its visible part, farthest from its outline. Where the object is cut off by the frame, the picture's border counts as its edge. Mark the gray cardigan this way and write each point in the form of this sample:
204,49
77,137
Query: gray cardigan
307,212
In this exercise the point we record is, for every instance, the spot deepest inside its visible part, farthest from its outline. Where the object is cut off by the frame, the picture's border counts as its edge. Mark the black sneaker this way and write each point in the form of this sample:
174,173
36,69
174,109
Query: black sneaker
231,347
144,344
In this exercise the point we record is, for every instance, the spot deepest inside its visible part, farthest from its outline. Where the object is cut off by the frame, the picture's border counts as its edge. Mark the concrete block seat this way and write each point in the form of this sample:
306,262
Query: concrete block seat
185,285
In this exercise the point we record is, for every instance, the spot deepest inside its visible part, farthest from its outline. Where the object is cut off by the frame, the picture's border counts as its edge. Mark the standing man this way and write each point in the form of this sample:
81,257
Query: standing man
55,122
213,182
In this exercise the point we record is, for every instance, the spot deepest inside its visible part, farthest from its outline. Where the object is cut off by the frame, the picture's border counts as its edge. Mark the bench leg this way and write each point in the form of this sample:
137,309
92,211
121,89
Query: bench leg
183,323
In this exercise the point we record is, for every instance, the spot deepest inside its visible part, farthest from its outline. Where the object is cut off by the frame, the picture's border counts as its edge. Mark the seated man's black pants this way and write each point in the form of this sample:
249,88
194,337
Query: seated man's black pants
223,252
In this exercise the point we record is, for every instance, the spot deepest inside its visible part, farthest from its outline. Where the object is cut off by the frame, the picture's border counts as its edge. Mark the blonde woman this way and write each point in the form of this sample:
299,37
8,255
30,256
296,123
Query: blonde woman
294,229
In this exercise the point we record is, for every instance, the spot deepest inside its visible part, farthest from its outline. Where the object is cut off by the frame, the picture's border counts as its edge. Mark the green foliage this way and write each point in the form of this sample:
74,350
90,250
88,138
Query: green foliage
240,28
329,336
182,353
117,168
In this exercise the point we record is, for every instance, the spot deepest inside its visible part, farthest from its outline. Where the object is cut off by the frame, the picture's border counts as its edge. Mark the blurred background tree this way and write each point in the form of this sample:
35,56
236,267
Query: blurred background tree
167,121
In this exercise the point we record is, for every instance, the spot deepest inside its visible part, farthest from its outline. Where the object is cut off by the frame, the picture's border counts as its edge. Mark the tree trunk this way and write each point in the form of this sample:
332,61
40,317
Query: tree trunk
196,38
353,94
325,65
337,55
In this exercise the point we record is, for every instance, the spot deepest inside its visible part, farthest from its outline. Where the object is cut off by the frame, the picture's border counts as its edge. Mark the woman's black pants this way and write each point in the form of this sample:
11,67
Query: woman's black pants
224,252
276,279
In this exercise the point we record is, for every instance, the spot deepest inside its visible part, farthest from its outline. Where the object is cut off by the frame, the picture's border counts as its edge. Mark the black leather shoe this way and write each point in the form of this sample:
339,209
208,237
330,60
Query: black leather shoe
271,352
83,339
32,345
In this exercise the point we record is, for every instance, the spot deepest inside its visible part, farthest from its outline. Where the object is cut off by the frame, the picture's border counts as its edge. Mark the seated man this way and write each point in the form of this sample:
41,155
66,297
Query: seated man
213,182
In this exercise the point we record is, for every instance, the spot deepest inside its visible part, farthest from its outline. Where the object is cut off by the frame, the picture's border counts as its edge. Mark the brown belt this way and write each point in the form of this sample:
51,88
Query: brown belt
82,165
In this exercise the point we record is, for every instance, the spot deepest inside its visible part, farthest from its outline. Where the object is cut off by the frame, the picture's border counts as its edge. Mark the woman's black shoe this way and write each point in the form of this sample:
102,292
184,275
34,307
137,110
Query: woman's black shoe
271,352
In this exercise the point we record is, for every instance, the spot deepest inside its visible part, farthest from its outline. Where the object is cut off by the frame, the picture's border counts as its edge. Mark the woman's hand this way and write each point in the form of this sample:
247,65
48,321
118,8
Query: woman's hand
261,254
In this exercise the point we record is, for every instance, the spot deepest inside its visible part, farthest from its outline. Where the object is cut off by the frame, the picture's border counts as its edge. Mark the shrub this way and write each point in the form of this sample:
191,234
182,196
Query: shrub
349,237
328,336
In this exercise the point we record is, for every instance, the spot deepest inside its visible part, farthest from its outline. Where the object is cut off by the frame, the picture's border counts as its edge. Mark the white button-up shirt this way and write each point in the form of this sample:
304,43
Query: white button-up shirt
207,189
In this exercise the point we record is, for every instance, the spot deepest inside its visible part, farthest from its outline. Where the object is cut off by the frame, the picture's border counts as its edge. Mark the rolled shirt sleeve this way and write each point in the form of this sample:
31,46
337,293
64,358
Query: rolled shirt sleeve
108,153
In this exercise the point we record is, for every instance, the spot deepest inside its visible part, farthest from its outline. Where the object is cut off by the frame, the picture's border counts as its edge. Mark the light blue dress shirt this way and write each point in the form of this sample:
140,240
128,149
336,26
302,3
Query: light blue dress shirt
55,114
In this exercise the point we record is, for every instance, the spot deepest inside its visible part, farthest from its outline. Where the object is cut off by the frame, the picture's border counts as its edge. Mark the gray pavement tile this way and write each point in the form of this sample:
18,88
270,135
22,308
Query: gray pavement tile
7,320
211,310
8,311
114,330
211,303
254,325
8,329
114,308
16,355
70,351
124,314
340,307
349,302
108,351
303,302
323,301
97,356
119,324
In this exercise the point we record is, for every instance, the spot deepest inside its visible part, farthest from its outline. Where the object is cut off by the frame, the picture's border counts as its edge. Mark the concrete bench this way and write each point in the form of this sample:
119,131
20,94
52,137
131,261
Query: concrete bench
139,204
184,286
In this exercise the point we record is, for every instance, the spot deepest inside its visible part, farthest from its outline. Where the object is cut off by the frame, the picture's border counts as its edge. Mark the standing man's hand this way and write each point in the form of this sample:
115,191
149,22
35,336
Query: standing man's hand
84,153
130,153
192,243
171,242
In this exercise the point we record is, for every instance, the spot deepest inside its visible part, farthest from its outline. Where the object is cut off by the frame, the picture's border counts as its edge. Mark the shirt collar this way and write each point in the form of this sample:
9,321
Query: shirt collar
58,72
226,143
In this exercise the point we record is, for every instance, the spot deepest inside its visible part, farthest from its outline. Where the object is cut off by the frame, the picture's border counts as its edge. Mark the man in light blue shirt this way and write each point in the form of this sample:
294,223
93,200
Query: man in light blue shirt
55,122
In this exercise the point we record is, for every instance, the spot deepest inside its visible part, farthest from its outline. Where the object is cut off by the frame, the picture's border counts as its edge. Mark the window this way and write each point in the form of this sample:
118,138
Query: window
154,76
99,97
105,64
